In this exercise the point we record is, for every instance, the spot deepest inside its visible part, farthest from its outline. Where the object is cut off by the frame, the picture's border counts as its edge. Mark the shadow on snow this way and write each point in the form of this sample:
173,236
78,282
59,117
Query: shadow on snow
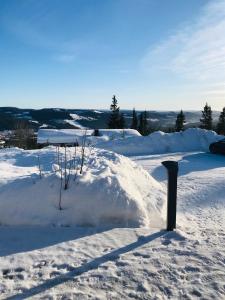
192,163
94,264
17,239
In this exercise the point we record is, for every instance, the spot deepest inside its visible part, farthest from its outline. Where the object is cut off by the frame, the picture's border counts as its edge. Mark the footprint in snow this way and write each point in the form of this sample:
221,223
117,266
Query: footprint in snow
107,249
5,272
63,266
138,254
166,242
121,264
40,264
14,276
19,270
55,273
192,269
13,273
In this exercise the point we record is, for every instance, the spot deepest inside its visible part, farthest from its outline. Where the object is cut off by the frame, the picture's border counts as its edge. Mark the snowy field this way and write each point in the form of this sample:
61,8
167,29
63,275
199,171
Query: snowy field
146,262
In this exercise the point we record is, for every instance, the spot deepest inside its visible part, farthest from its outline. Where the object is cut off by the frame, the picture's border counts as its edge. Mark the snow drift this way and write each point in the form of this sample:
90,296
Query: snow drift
54,136
112,190
192,139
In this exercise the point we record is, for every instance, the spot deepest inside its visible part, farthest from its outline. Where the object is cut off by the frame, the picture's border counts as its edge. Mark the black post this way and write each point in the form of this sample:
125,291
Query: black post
172,169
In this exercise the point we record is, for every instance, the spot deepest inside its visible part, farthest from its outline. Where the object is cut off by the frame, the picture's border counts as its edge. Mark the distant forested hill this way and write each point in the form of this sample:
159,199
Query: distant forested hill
81,118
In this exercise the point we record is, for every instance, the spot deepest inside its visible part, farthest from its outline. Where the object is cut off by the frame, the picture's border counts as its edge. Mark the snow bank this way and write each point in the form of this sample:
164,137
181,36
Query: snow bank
112,190
193,139
54,136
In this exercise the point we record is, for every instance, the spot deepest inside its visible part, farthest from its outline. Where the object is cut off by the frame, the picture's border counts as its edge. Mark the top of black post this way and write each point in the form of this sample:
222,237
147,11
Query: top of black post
171,165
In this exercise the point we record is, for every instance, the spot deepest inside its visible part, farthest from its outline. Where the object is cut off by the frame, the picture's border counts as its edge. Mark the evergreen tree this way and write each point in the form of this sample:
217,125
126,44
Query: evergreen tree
140,126
114,119
143,123
180,121
206,120
221,123
122,123
134,124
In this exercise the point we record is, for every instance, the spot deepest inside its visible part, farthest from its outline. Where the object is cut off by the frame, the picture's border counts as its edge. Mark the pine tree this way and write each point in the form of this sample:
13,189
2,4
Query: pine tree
122,123
180,121
143,123
206,120
114,119
140,126
221,123
134,124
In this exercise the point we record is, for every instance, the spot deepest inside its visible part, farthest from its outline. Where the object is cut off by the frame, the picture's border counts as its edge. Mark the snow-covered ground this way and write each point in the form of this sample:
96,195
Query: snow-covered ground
51,262
111,191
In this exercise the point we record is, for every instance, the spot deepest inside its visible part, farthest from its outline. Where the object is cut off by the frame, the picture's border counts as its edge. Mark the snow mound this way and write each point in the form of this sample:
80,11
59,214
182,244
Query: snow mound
192,139
54,136
111,191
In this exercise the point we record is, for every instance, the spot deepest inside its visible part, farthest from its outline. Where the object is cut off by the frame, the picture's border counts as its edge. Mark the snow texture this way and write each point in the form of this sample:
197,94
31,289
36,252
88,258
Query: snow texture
54,136
44,262
67,262
192,139
111,191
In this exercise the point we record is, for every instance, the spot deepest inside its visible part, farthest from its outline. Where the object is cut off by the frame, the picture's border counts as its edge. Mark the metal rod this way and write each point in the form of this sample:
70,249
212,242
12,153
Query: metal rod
172,170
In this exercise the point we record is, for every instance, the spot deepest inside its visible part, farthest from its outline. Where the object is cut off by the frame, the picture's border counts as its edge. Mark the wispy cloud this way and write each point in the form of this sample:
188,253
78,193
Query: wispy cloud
195,52
36,23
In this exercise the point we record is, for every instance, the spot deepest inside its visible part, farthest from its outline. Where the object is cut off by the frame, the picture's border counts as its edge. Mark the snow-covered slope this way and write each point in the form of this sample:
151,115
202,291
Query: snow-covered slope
112,190
193,139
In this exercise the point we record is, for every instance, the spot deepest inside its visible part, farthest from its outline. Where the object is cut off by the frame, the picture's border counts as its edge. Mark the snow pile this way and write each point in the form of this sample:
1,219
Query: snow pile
54,136
112,134
111,191
192,139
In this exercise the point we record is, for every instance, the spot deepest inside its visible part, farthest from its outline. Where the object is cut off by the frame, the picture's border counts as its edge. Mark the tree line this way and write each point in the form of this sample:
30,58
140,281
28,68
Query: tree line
141,123
117,120
206,120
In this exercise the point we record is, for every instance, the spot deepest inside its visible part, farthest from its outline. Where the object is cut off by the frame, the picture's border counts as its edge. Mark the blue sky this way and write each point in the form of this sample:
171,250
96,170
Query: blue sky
153,54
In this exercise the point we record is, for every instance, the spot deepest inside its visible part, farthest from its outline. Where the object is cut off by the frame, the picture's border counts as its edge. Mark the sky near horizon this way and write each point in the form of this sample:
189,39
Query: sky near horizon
152,54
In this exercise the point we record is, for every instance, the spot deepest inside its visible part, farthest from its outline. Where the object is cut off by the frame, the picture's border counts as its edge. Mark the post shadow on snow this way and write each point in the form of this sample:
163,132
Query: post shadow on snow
191,163
17,239
95,263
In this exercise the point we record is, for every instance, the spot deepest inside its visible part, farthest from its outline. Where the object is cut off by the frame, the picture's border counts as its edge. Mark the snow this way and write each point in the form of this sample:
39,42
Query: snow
44,126
112,190
75,124
72,262
77,117
192,139
55,136
61,135
33,121
98,111
153,120
43,262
